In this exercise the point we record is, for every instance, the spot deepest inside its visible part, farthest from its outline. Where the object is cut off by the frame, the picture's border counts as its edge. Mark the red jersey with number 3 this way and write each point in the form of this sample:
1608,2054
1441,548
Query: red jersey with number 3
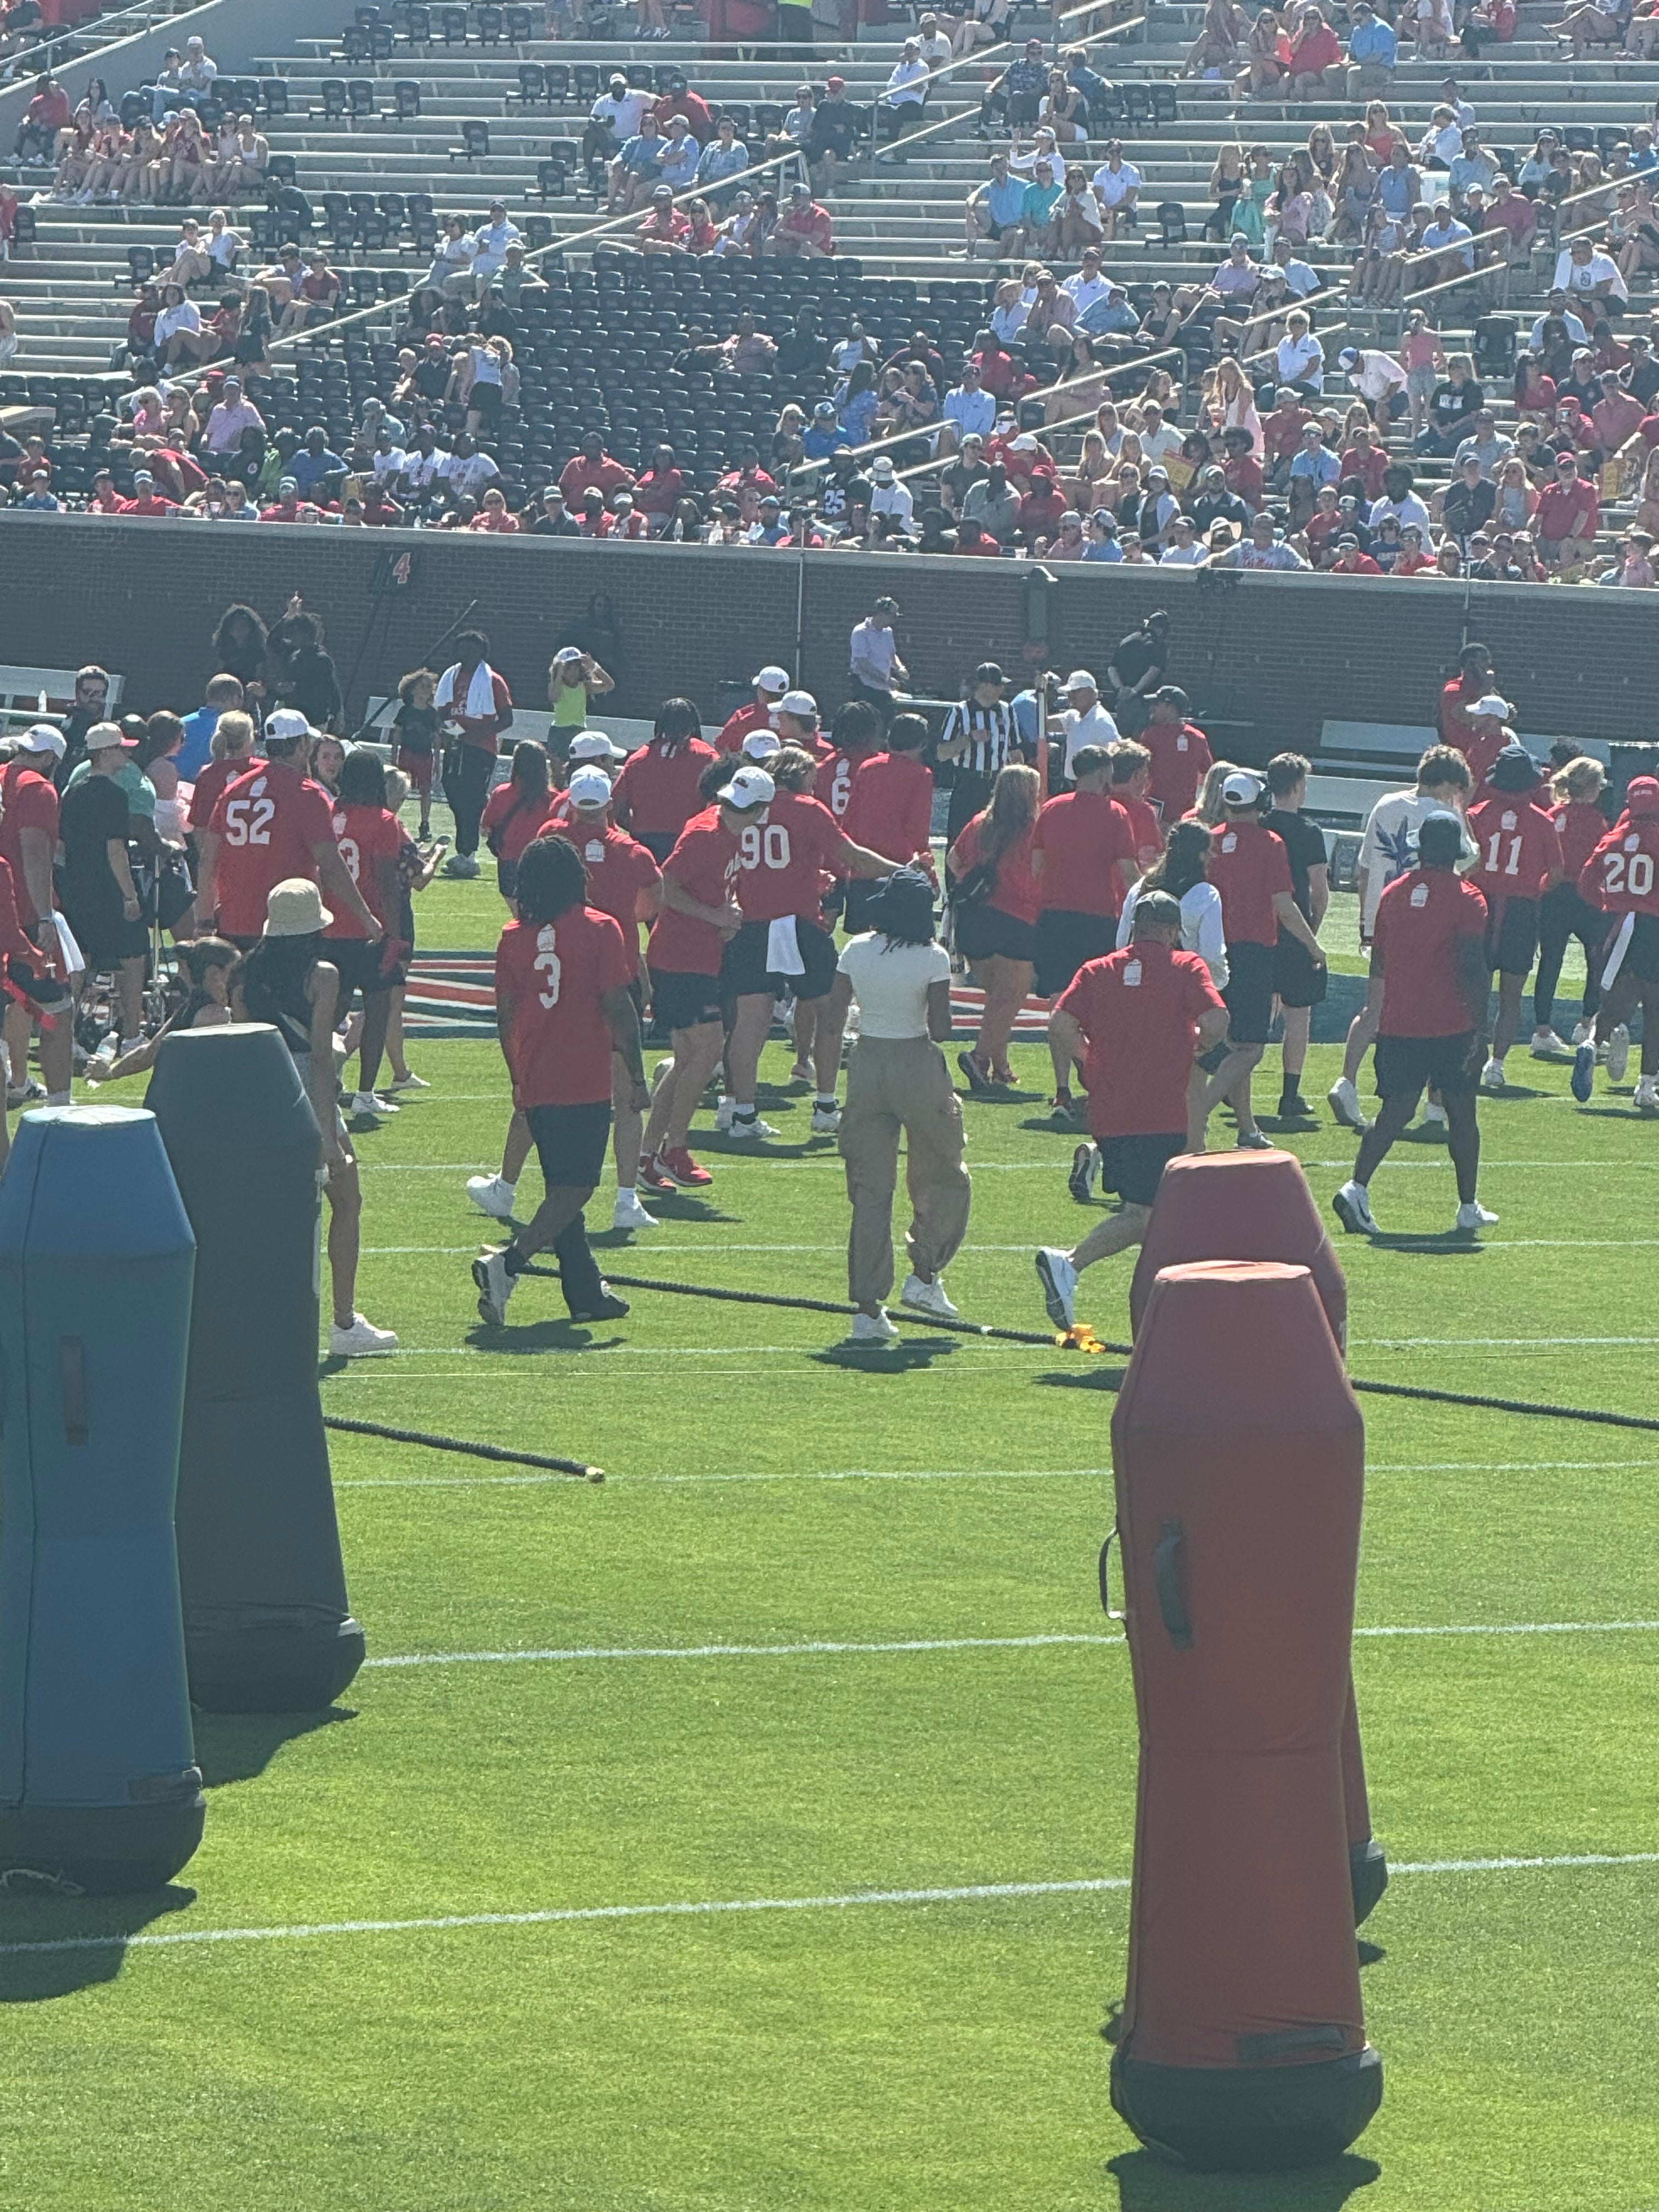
369,837
1519,846
780,860
552,975
618,869
704,865
266,822
1621,876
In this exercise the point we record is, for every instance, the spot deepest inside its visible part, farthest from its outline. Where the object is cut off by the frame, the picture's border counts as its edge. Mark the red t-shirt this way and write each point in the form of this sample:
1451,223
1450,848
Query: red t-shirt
1181,761
1520,845
1082,835
618,869
780,860
1480,753
1581,826
1015,891
736,727
834,783
1140,1010
210,783
527,824
12,940
582,475
266,822
1570,510
29,800
704,865
891,806
366,837
552,975
1420,917
1143,826
1621,876
659,786
1248,865
1455,699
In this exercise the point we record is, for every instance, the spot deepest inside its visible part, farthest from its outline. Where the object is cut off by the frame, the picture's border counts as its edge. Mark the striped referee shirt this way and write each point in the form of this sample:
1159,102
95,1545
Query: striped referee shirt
992,734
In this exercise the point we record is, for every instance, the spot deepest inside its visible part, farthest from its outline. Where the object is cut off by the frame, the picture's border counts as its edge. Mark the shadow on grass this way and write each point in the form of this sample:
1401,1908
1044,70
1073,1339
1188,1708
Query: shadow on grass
541,1336
1147,2184
1093,1376
886,1358
1442,1243
51,1945
237,1747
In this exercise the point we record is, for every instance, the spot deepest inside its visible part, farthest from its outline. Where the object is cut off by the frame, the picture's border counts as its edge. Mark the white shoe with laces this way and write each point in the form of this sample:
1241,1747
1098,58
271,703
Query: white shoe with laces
1647,1095
1547,1045
1618,1054
408,1082
629,1214
492,1195
496,1285
751,1129
872,1328
826,1120
362,1340
1491,1076
1353,1210
1343,1099
1475,1215
1059,1279
927,1297
1434,1114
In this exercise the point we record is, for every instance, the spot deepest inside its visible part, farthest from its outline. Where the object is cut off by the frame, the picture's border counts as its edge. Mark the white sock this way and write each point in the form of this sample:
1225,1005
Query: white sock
58,1097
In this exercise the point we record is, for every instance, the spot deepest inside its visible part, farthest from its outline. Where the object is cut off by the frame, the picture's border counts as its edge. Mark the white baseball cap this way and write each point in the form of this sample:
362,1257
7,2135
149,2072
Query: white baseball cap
1241,789
103,735
593,745
566,656
1080,680
799,703
749,788
1492,704
761,744
286,723
772,678
590,787
42,738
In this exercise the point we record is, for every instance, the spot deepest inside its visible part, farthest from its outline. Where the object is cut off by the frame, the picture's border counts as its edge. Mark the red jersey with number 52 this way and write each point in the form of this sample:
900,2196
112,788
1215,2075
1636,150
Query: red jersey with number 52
267,823
780,860
1519,846
551,976
1621,876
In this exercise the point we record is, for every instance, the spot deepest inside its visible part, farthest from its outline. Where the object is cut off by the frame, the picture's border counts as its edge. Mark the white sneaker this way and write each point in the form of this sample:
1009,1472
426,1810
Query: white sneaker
408,1082
927,1297
1647,1095
826,1120
1547,1045
629,1214
1253,1140
1618,1054
491,1195
1353,1210
362,1340
1434,1116
660,1075
723,1112
1344,1101
749,1131
1584,1033
1491,1076
1473,1216
496,1285
872,1328
366,1107
1059,1279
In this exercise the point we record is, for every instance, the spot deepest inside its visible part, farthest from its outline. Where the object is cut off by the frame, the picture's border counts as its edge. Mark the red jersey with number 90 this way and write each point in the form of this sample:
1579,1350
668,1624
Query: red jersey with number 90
1519,845
267,823
1621,876
780,860
549,977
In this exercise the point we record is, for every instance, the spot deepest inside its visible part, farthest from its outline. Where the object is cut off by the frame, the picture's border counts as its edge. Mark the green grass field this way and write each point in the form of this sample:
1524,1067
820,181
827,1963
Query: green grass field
471,1973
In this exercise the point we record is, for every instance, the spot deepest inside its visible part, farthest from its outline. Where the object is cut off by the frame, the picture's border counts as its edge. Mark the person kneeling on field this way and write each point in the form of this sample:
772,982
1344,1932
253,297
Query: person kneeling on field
1136,1021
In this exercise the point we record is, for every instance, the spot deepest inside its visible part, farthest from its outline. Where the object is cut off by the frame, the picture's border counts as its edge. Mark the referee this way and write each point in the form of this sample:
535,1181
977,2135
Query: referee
981,740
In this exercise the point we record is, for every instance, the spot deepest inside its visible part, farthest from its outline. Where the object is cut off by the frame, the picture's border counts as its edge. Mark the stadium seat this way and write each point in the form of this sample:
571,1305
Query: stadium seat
335,100
360,91
406,99
475,142
273,97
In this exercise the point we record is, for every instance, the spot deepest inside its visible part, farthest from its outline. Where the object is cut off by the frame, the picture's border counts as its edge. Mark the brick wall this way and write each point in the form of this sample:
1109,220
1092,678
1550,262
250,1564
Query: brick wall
1282,653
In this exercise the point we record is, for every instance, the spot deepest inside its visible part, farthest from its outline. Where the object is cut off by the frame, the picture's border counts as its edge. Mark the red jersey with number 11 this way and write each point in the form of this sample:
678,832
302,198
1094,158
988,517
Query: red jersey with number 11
1519,846
552,975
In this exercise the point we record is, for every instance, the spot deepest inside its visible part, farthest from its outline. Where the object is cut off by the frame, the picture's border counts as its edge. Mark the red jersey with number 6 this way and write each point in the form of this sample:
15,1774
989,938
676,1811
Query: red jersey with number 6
781,860
550,977
1519,845
267,823
1621,876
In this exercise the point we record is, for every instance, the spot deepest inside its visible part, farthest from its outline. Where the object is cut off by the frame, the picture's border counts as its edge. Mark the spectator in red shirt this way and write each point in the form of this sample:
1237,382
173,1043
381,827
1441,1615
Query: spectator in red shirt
1241,472
1521,861
1179,751
1568,516
592,470
1281,435
680,99
995,896
371,844
1427,997
659,490
47,114
233,756
1134,1022
1132,780
273,825
28,828
665,230
563,1010
890,807
494,515
805,228
1251,869
146,500
1350,560
1040,509
1082,862
515,813
1364,458
970,538
1315,49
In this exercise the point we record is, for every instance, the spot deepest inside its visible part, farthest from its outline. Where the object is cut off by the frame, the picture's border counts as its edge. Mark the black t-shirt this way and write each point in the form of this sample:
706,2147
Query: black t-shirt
90,815
1452,402
841,493
555,525
1304,846
417,728
835,130
1645,380
1139,652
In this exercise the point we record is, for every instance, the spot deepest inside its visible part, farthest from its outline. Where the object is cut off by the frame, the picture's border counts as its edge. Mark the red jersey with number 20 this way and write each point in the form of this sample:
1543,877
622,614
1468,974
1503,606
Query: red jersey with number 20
1520,845
1621,876
551,976
267,823
780,860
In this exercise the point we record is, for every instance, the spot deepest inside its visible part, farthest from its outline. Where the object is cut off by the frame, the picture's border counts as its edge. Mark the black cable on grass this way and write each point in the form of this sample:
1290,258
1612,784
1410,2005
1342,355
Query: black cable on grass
842,1312
550,1466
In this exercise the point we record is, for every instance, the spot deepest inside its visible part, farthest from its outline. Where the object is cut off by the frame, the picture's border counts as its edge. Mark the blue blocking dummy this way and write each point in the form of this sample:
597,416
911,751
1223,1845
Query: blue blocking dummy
267,1627
98,1784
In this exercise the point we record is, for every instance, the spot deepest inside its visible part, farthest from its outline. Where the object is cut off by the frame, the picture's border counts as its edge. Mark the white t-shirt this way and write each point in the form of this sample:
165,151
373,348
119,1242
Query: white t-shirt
1096,727
623,113
890,983
1114,185
1388,847
1200,929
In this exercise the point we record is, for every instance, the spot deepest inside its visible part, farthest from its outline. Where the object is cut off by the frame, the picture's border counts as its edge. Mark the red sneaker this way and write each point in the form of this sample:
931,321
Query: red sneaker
655,1177
683,1169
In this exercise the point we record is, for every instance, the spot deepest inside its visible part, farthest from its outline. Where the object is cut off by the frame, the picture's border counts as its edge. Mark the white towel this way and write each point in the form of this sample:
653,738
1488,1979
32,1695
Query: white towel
480,692
74,960
1616,950
783,948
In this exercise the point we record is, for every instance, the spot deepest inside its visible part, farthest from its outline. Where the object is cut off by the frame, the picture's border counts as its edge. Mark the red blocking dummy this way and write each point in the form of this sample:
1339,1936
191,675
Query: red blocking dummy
1239,1457
1257,1205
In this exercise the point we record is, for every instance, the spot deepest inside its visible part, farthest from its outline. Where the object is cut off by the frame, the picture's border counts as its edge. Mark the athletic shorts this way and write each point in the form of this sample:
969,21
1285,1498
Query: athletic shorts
1065,941
1297,980
744,975
986,933
1249,992
683,1001
570,1143
1133,1166
1405,1066
1512,936
1641,954
659,843
417,767
358,963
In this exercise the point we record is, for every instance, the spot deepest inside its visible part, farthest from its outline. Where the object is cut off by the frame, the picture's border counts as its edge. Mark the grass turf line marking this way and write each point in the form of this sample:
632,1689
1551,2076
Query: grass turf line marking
964,1474
967,1893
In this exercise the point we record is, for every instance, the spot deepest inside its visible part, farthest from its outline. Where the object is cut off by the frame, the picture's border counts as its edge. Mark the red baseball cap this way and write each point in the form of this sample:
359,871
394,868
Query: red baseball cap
1642,795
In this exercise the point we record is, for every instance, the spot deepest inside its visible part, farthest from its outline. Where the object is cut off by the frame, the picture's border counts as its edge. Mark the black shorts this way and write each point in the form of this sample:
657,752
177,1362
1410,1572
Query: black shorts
1405,1066
1641,960
103,932
1249,992
358,963
659,843
683,1001
1512,936
1133,1166
570,1143
858,892
744,975
1065,941
986,933
1297,980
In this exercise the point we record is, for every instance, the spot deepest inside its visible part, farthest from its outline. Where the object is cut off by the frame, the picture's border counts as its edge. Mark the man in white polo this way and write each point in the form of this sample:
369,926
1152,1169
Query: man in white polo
1085,721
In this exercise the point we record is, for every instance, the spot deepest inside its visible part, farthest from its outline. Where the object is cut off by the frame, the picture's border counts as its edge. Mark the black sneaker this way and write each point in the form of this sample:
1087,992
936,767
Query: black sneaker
978,1081
610,1307
1293,1107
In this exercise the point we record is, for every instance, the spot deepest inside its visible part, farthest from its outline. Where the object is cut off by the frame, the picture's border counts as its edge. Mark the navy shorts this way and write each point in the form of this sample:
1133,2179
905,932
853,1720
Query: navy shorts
683,1001
745,974
1067,941
1406,1065
1249,992
1512,936
1133,1166
570,1143
1297,981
